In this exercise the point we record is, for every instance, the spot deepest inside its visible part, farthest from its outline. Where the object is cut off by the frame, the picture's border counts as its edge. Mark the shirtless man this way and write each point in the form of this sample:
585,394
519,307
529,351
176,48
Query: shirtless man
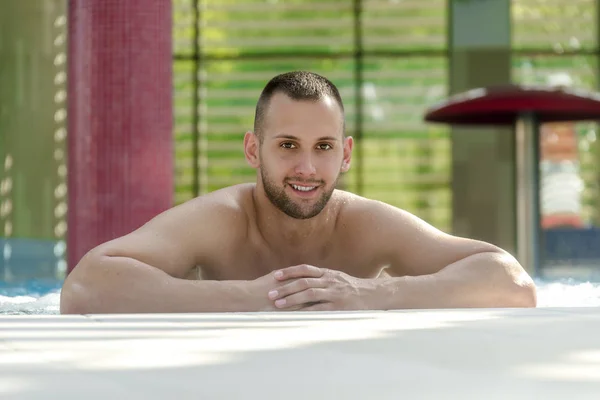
292,241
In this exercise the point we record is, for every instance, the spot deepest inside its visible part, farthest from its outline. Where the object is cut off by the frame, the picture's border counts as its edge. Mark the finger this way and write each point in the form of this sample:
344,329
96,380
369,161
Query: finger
311,295
299,271
295,286
324,306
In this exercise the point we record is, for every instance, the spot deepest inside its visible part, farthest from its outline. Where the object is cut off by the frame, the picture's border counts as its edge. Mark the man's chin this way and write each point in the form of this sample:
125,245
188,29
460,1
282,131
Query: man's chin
304,214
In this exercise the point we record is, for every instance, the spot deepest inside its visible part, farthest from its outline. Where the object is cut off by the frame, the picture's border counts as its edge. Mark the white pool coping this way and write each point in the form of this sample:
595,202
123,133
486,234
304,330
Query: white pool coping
544,353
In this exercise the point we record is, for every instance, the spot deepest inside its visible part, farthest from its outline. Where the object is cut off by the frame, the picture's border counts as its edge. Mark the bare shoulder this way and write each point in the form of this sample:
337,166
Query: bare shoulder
188,234
378,216
216,212
218,217
359,210
228,204
409,244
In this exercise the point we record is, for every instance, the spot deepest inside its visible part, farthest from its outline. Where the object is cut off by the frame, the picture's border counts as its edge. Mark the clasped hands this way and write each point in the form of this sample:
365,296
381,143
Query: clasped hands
309,288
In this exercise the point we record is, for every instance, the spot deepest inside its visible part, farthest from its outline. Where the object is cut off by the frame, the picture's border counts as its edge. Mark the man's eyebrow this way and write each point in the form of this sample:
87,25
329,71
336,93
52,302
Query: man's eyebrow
292,137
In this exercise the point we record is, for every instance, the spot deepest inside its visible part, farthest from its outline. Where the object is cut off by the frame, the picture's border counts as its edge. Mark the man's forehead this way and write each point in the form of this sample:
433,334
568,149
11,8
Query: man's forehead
303,119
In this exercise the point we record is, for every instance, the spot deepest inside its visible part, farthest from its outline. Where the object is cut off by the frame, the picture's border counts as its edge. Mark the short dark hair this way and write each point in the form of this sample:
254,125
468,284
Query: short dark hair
298,85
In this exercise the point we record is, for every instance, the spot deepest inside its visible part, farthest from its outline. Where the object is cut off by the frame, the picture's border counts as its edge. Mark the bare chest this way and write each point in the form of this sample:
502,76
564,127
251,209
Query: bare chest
251,260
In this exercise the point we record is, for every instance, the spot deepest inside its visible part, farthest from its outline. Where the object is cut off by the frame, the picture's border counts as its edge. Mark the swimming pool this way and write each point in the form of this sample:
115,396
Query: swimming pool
30,297
42,297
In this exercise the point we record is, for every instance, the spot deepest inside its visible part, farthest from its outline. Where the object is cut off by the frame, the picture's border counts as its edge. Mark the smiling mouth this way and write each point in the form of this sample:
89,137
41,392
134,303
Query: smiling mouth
303,188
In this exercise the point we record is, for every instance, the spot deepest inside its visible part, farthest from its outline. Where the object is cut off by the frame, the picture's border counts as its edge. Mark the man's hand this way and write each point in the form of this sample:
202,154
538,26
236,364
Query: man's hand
308,288
260,287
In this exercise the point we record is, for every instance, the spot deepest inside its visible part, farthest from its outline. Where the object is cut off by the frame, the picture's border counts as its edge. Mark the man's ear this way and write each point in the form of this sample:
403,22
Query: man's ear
348,144
251,145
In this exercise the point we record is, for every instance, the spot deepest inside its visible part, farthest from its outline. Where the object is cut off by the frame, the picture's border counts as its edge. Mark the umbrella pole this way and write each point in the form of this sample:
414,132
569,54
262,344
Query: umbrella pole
528,194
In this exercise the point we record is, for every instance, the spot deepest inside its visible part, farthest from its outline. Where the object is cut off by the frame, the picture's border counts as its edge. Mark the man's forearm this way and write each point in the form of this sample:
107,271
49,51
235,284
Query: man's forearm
125,285
489,280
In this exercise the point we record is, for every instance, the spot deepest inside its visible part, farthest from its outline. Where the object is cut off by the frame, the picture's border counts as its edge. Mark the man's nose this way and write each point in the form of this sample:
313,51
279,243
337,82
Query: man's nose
305,165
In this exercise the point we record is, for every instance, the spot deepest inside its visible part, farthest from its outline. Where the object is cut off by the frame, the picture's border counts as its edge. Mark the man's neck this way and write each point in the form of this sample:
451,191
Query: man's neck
290,235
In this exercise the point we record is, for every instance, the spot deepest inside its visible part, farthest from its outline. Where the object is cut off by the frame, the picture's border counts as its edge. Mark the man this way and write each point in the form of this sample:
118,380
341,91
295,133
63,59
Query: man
292,241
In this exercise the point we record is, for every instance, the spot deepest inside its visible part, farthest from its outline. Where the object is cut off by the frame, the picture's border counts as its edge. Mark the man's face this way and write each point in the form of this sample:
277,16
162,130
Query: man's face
302,155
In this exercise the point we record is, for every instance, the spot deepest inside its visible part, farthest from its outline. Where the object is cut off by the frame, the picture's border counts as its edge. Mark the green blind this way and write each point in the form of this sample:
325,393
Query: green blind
402,71
280,27
558,25
417,25
406,162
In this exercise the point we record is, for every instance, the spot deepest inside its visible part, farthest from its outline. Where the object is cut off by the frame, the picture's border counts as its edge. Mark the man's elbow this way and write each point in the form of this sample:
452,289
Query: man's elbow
70,301
74,296
520,290
76,292
525,295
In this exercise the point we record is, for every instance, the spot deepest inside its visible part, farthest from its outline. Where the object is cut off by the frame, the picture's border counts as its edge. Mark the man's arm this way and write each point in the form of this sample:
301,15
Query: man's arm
146,270
107,284
488,279
437,270
430,269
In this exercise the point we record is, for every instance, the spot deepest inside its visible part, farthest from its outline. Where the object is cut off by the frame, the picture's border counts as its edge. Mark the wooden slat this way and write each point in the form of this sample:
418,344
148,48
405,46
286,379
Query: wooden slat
317,6
551,22
404,5
285,42
399,74
245,8
393,40
550,3
344,22
551,38
246,26
401,23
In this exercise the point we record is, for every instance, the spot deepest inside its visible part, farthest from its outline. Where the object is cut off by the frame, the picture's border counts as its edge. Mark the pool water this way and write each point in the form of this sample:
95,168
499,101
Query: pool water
30,297
42,297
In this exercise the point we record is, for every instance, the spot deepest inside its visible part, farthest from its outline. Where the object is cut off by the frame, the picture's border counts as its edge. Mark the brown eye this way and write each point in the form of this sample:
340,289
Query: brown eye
287,145
325,146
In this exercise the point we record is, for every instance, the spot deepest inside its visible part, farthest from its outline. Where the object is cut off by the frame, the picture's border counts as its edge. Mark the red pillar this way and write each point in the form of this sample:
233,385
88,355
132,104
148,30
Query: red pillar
119,119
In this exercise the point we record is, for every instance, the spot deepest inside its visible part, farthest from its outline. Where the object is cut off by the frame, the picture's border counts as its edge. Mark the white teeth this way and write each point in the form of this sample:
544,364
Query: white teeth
303,188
